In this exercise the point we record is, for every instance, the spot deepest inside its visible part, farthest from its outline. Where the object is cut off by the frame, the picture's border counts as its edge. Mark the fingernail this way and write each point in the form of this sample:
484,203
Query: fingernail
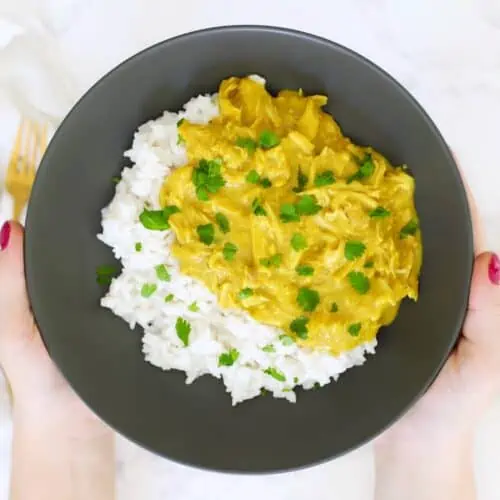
494,269
4,235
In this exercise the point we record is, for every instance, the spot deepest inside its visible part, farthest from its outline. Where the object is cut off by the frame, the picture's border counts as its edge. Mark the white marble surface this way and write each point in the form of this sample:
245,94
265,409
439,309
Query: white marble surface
446,52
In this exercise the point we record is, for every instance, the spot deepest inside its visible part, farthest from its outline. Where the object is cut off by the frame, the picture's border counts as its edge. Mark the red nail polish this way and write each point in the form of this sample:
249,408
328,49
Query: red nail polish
4,235
494,269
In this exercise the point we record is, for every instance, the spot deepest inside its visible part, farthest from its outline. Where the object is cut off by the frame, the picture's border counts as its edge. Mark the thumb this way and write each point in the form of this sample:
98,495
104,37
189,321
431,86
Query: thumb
16,324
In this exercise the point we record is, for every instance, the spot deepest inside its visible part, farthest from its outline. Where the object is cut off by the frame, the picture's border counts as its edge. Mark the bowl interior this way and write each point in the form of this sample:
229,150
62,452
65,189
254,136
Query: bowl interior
102,358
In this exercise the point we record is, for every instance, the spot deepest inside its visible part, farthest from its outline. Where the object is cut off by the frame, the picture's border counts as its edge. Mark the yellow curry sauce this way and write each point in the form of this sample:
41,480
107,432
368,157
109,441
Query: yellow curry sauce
284,217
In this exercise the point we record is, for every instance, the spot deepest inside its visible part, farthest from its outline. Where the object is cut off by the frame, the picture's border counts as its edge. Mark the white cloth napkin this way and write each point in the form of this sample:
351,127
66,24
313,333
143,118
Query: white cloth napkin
35,80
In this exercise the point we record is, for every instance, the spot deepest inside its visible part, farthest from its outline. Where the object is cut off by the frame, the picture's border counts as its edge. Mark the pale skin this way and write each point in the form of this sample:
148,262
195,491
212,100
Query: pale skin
61,451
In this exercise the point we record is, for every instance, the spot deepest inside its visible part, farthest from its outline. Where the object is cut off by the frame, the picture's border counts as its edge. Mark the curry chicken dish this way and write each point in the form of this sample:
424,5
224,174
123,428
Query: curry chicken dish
282,216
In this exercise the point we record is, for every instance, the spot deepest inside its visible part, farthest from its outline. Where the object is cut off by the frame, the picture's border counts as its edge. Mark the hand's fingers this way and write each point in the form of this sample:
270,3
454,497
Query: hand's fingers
482,324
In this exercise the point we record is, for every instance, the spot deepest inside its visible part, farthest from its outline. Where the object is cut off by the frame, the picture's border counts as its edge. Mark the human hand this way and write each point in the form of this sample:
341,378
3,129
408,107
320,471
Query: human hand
61,450
433,442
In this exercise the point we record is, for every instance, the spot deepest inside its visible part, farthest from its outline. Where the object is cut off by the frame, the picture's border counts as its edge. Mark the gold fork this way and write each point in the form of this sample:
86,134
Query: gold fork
30,145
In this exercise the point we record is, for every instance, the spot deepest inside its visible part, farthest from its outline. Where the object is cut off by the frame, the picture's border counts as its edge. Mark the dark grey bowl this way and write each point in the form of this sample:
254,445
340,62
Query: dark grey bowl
101,358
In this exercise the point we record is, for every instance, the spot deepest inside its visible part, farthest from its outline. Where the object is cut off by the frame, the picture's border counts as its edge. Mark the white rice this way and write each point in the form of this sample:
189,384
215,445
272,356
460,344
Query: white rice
214,330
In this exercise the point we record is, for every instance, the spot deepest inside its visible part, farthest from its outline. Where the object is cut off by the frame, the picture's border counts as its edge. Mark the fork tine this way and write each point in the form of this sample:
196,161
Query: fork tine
16,150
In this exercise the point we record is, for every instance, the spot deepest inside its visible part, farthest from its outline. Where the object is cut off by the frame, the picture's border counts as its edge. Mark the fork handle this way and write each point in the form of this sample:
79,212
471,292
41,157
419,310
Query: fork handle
18,208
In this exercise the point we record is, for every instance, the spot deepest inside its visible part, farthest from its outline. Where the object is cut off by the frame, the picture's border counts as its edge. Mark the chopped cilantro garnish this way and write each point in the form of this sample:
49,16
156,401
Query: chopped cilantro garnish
138,246
354,329
268,139
301,182
245,293
180,122
299,327
410,229
183,329
169,297
194,307
180,140
170,210
276,374
222,222
265,183
206,233
162,273
359,282
368,264
303,270
257,207
334,308
253,177
269,348
207,178
245,142
229,251
324,179
308,299
298,242
116,179
366,169
148,289
286,340
154,220
273,261
229,358
354,249
104,274
379,213
308,205
288,213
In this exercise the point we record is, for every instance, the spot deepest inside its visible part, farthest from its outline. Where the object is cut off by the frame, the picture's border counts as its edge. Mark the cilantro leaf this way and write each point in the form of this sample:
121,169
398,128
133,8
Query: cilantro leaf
354,329
410,229
324,179
206,233
222,222
273,261
229,251
148,289
276,374
247,143
269,348
169,297
359,282
154,220
162,273
183,329
245,293
354,249
104,274
253,177
299,327
301,182
265,183
170,210
288,213
308,205
368,264
298,242
286,340
308,299
366,169
334,308
207,178
138,246
194,307
180,140
257,207
303,270
116,179
379,213
180,122
229,358
268,139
